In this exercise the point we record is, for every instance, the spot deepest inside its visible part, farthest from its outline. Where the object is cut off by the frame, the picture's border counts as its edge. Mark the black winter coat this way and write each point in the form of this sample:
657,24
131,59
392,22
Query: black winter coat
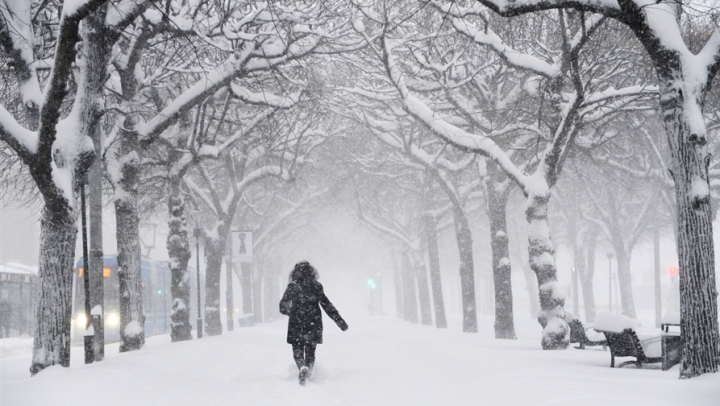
302,301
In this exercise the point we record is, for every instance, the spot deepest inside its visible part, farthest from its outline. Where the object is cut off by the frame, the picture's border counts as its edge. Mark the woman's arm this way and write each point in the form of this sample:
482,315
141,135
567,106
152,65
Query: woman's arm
331,310
286,301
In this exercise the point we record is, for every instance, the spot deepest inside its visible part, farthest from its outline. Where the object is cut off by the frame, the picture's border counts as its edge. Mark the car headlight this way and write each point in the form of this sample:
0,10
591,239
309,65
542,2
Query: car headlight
81,321
112,320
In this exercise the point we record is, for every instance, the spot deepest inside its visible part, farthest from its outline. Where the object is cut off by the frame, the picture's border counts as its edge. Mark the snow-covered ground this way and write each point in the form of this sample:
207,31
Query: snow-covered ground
379,361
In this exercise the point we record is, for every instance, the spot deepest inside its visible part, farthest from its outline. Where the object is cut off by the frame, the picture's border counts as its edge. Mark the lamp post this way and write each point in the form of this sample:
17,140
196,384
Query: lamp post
610,255
198,233
87,337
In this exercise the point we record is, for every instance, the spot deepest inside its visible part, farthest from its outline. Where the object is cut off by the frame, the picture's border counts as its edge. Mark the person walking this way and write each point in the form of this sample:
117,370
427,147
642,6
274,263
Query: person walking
302,300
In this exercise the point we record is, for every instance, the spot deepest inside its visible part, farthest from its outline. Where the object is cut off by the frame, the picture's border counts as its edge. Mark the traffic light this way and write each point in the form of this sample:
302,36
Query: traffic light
371,283
674,272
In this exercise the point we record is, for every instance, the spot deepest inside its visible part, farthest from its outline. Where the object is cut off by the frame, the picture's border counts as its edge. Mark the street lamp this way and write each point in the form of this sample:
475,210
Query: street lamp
197,234
610,255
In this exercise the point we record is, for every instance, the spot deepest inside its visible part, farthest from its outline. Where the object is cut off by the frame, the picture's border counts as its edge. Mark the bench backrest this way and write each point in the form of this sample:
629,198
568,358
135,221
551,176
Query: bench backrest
625,344
577,332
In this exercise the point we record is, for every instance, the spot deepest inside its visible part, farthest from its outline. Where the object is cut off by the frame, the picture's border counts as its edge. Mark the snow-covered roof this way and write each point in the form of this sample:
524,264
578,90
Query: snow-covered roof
13,267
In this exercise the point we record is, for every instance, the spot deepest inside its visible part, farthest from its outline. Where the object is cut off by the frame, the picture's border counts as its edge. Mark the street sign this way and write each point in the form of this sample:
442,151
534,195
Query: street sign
242,244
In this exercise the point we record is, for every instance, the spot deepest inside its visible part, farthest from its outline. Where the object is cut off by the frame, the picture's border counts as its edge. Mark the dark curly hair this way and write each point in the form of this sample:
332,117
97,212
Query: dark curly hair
303,272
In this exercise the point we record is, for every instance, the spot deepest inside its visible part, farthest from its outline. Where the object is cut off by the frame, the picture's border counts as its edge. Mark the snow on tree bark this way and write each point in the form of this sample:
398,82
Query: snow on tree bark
58,159
214,251
178,248
463,235
682,91
132,317
698,291
496,205
51,344
542,261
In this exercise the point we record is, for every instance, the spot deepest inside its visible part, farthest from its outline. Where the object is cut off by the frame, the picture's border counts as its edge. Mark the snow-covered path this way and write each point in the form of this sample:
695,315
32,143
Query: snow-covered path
379,361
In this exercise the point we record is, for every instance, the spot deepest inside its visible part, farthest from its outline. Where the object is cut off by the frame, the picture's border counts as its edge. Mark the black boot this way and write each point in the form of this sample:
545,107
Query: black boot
304,374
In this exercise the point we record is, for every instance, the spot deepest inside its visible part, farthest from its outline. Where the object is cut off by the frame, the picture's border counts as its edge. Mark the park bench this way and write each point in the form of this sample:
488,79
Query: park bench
578,334
622,338
671,340
627,344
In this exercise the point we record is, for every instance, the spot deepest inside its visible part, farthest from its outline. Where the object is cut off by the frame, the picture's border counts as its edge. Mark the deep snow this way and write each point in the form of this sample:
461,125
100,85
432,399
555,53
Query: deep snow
378,361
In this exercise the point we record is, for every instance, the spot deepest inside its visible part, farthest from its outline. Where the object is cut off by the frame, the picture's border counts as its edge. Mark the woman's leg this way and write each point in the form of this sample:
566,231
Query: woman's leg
310,355
299,355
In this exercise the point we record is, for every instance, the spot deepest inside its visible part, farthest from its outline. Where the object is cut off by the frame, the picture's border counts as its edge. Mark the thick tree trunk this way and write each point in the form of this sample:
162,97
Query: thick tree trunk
497,204
430,228
625,279
698,291
178,248
423,289
467,270
214,251
542,261
56,262
410,308
586,271
132,317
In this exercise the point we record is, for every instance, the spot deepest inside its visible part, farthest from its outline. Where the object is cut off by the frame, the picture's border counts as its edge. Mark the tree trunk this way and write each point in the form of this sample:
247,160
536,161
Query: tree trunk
178,248
497,204
410,311
132,317
542,261
430,228
51,344
214,251
423,289
625,280
586,272
467,270
698,291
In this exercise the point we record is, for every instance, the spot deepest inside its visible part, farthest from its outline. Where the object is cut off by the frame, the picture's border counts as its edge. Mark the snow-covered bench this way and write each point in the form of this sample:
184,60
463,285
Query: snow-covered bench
623,340
578,334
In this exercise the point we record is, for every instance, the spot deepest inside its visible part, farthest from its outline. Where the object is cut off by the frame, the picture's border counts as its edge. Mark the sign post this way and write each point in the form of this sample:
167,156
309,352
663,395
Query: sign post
241,249
242,246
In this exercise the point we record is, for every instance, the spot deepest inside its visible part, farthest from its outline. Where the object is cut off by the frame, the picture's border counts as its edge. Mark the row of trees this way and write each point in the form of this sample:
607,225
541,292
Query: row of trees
437,112
166,88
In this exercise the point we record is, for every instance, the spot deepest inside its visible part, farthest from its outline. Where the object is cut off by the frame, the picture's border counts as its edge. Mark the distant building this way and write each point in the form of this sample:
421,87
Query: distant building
18,288
19,234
